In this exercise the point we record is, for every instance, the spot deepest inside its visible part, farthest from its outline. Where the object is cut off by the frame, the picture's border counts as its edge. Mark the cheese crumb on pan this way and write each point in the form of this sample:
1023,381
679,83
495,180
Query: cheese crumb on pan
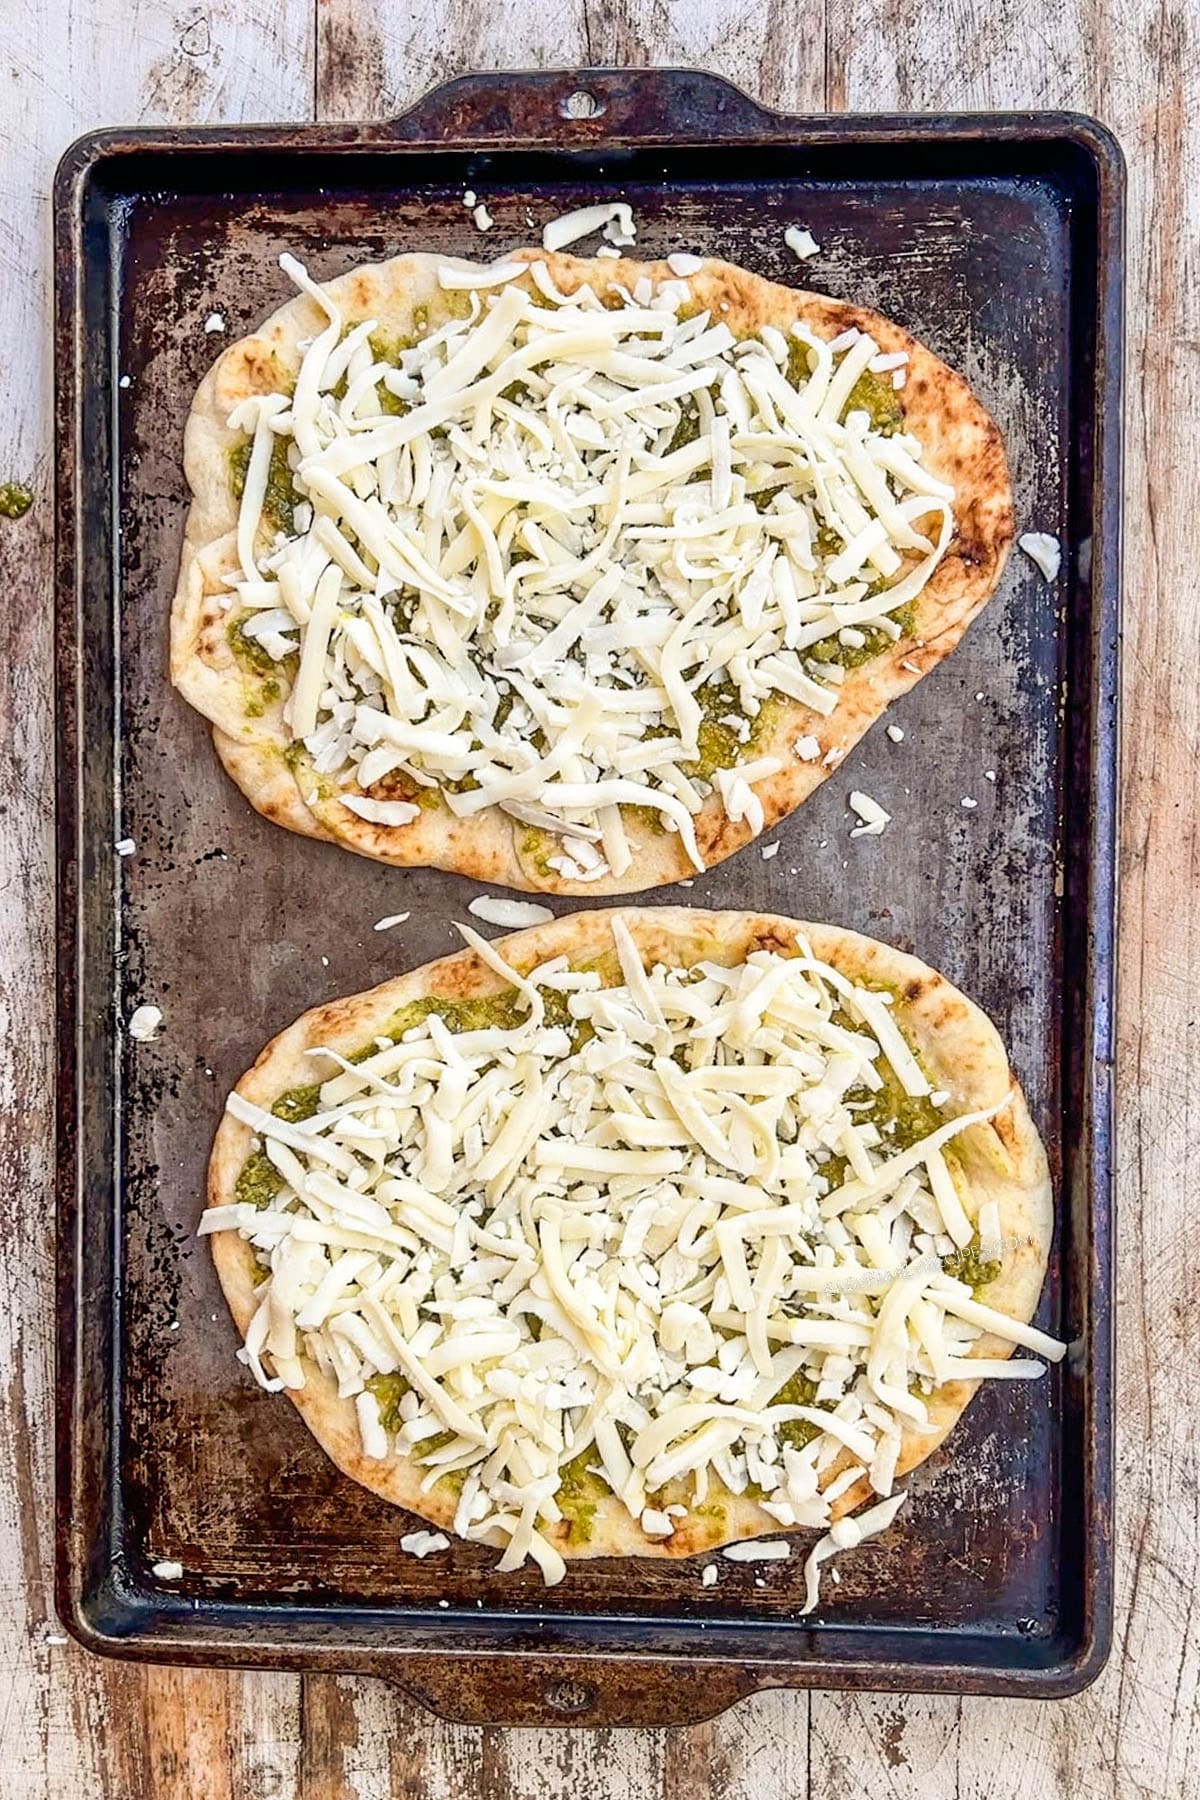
1044,550
873,819
709,1575
570,559
168,1570
801,242
647,1234
392,919
424,1543
845,1535
568,228
125,846
773,1550
145,1022
514,915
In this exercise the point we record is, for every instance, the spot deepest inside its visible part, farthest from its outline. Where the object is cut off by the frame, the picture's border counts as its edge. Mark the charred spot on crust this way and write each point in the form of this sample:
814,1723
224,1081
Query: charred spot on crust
1005,1126
914,989
771,938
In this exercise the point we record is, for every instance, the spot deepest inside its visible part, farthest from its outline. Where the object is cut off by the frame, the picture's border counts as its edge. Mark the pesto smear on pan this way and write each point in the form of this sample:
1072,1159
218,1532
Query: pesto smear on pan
589,557
617,1248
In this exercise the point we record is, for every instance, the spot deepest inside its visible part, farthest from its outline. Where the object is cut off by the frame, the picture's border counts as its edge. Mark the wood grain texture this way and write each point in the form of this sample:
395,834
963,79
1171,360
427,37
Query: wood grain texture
71,1727
74,1729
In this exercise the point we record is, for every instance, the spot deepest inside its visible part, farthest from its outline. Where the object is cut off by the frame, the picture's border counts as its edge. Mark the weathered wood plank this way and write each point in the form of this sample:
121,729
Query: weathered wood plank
1136,1731
71,1726
372,64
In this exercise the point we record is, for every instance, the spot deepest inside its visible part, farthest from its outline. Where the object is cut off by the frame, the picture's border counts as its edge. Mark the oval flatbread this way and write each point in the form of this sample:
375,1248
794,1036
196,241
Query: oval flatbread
570,575
699,1234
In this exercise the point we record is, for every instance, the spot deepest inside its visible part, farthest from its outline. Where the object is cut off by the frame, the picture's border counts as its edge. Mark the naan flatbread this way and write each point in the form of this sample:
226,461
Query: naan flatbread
1000,1164
244,696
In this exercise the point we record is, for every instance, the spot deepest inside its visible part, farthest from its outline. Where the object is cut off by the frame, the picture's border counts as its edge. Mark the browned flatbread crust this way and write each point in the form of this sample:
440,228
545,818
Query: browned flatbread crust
1003,1160
962,446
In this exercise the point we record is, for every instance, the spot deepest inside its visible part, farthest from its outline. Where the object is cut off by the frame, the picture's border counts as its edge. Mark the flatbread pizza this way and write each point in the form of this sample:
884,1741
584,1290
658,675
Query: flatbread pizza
570,575
639,1233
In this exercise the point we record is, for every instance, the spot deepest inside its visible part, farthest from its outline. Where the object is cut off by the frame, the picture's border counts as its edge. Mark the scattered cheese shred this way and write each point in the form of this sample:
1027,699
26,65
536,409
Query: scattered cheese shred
387,923
755,1550
424,1543
569,227
873,819
514,915
1044,550
847,1533
144,1023
801,242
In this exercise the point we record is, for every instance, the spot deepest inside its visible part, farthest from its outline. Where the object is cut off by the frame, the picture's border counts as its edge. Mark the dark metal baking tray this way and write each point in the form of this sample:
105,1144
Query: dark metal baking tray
997,239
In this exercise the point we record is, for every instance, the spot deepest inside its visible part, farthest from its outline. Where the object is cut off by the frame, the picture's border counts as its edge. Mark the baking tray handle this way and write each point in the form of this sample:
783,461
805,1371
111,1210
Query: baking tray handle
573,108
537,1691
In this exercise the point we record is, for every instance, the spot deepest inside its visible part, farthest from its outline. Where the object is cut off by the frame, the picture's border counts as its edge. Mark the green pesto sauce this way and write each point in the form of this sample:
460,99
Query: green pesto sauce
478,1013
399,785
537,847
687,430
875,395
798,1390
968,1265
871,393
451,303
268,692
15,500
281,497
903,1119
261,1273
646,816
875,641
579,1493
298,1103
389,1391
390,350
258,1180
836,1170
247,650
720,747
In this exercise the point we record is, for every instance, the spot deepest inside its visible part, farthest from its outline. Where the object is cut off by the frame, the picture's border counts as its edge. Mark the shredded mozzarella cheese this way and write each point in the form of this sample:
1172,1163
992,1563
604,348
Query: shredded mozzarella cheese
1044,550
650,1222
566,558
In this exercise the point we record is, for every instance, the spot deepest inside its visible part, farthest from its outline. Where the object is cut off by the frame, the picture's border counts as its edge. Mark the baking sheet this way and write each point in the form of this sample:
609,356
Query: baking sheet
996,1574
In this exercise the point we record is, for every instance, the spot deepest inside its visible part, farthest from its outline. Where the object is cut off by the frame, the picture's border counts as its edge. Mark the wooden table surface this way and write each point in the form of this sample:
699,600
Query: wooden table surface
73,1727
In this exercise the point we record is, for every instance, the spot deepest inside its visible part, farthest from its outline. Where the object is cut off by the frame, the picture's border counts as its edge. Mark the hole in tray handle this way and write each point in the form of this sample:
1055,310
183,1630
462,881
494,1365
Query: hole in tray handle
570,1696
580,104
